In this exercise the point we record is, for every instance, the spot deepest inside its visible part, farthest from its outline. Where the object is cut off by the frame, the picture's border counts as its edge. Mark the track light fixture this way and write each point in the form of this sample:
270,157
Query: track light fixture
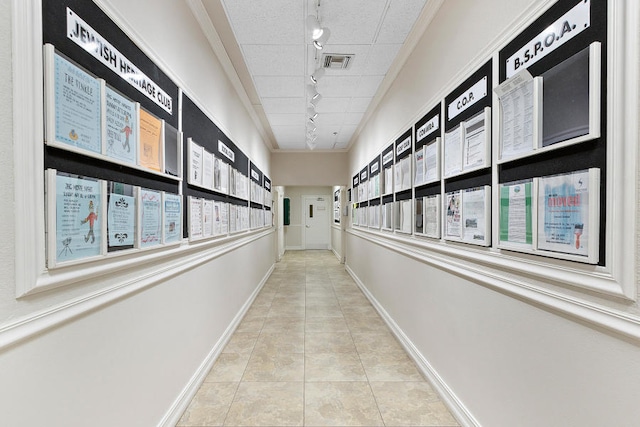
311,112
313,25
317,75
322,40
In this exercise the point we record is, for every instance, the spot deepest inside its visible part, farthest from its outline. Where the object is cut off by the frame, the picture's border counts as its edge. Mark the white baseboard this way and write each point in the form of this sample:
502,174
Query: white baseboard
181,403
455,405
336,254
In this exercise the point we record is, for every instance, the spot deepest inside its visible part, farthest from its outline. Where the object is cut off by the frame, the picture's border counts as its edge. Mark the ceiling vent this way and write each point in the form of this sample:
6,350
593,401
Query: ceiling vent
337,61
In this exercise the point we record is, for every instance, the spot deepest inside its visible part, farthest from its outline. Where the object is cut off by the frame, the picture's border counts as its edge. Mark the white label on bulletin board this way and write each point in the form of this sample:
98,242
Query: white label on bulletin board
555,35
90,40
427,128
474,94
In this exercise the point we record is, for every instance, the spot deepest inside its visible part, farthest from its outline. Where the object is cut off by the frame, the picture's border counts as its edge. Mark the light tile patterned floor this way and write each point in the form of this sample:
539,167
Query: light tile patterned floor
312,351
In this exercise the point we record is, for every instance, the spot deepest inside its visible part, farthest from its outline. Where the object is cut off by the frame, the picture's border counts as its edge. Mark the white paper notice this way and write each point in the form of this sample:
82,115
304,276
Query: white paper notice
207,169
473,215
195,218
474,142
452,225
431,207
431,162
419,164
406,216
405,165
388,180
397,186
224,178
207,218
452,152
195,164
516,101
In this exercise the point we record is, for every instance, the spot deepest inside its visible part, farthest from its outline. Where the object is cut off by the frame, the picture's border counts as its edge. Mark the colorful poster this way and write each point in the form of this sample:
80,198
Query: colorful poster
516,213
121,220
172,218
151,221
77,107
121,123
563,213
150,141
78,227
453,224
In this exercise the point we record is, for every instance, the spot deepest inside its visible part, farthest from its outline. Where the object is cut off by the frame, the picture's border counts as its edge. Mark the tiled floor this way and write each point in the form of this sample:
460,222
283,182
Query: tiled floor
313,351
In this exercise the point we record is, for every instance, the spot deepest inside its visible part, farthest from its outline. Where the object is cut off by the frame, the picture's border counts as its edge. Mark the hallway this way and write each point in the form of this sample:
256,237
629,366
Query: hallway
312,351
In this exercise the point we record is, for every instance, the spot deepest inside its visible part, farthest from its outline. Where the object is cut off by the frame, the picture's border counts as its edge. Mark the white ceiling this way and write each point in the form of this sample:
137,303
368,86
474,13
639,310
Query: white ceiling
277,51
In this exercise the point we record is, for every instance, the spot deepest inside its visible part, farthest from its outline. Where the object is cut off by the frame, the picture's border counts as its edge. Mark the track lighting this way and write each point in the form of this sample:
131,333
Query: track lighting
314,100
311,112
322,40
317,75
314,27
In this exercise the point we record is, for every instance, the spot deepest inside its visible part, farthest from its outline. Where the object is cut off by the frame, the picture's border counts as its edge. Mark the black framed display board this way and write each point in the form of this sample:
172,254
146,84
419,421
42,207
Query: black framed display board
515,156
565,51
375,179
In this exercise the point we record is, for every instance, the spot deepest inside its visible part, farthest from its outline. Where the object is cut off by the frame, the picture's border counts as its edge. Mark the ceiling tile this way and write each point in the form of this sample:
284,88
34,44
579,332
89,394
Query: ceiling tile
283,105
352,118
357,64
279,87
333,105
274,60
368,86
399,21
252,21
330,119
338,87
351,22
381,58
359,105
346,132
286,119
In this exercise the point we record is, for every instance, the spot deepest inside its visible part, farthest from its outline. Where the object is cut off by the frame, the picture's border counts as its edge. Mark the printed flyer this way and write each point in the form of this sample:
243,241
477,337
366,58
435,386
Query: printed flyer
121,123
151,222
121,220
516,213
77,107
150,141
453,224
172,218
78,226
563,213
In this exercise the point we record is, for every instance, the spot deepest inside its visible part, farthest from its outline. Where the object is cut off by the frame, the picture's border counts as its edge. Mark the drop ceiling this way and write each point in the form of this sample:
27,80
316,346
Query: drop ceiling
270,48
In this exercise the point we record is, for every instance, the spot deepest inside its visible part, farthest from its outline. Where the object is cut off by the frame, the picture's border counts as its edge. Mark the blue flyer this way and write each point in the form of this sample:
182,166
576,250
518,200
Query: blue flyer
151,205
172,223
121,120
77,107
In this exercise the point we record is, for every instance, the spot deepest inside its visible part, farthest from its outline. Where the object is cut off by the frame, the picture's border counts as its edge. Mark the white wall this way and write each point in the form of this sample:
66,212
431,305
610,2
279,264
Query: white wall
293,232
126,348
310,168
337,230
504,348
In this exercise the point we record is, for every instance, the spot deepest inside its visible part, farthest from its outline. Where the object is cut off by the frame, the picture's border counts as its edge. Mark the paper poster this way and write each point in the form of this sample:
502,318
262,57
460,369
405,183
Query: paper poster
121,220
195,218
388,180
563,213
151,218
376,185
453,226
224,178
431,162
207,169
474,217
387,215
405,211
122,138
232,182
78,227
224,218
397,176
172,218
452,152
207,218
516,105
474,142
77,107
195,163
431,208
405,165
516,213
419,165
233,221
150,141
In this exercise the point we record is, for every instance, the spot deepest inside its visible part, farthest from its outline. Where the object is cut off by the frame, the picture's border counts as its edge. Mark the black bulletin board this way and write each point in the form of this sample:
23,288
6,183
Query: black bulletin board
484,71
404,194
267,187
430,134
54,29
589,154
